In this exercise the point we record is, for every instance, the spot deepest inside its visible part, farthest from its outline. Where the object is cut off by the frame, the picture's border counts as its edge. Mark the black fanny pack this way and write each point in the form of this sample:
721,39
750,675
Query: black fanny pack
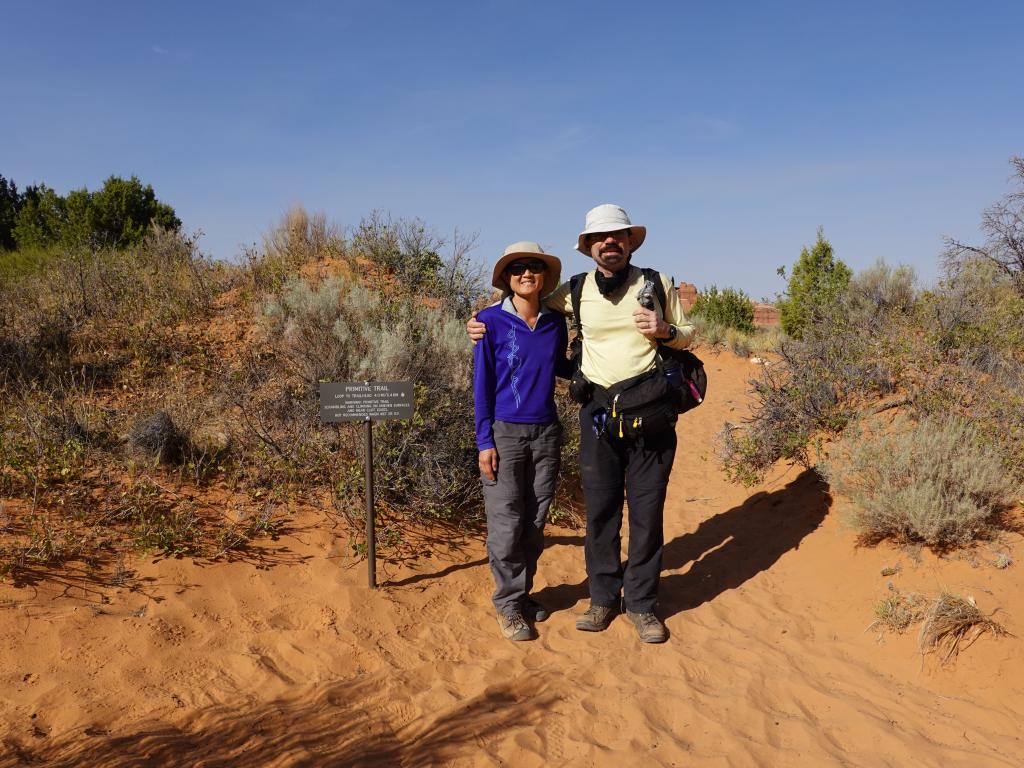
639,406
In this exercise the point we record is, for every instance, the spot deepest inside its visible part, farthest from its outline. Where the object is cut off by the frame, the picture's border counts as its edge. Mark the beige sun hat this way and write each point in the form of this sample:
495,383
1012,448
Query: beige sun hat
521,250
610,218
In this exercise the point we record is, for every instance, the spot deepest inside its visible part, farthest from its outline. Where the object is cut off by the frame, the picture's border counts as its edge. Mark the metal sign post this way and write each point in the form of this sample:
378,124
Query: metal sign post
371,533
365,401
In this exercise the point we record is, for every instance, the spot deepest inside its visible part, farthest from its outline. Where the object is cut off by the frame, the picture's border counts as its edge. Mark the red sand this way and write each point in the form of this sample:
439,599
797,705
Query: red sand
770,662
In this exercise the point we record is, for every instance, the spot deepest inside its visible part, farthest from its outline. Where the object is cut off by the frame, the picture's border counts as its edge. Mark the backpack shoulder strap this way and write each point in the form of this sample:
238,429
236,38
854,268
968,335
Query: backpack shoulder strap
659,290
575,292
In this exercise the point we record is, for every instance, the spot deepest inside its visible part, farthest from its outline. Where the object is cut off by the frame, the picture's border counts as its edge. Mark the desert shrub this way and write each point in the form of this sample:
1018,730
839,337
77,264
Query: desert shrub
156,437
881,289
974,317
729,307
710,334
766,340
815,388
1002,223
341,330
934,482
864,345
817,282
98,310
298,239
739,342
422,261
567,508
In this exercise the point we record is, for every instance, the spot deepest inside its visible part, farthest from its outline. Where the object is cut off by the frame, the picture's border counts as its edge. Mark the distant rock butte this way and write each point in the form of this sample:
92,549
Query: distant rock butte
766,314
687,295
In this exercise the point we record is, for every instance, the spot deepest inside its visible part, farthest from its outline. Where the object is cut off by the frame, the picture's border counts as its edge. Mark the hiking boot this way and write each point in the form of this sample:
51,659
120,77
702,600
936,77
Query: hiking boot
533,610
595,619
513,625
648,626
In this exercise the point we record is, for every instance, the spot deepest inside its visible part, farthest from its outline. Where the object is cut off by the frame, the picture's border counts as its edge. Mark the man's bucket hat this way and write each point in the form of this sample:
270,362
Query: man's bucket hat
610,218
522,250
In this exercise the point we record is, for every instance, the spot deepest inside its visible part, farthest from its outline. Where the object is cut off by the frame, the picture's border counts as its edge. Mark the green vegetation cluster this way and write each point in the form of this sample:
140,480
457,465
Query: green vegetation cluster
725,318
949,361
117,215
729,307
817,282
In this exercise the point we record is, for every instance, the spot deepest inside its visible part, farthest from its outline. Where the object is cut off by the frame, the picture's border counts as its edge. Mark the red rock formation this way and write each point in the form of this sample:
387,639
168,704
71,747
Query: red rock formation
687,295
766,314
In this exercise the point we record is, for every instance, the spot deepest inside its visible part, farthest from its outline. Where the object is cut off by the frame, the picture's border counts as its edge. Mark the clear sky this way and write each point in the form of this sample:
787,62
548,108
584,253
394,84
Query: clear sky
731,129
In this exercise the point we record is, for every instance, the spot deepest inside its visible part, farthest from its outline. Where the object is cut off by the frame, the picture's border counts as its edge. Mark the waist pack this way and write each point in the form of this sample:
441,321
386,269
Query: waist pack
641,406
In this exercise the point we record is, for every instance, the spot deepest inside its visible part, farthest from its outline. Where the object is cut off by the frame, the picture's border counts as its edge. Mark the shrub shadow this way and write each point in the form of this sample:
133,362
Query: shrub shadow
340,723
734,546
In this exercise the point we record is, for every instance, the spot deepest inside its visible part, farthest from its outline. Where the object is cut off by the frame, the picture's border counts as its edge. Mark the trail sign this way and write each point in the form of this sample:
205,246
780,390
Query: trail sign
362,400
367,401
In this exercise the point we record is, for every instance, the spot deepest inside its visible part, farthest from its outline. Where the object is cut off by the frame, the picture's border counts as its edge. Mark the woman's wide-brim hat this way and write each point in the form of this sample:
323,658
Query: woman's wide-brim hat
526,249
610,218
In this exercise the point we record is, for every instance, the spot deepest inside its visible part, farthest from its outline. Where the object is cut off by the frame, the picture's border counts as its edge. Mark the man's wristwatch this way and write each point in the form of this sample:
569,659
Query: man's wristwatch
672,331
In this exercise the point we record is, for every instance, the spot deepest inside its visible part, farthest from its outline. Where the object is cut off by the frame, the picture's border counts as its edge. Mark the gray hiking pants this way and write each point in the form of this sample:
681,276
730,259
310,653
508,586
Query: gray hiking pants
517,505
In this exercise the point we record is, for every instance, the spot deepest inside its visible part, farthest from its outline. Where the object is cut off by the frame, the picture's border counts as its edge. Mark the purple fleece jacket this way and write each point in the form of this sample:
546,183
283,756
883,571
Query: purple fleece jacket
514,369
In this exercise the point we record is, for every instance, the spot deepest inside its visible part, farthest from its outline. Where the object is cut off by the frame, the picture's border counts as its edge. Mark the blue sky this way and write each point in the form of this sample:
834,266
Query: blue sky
732,130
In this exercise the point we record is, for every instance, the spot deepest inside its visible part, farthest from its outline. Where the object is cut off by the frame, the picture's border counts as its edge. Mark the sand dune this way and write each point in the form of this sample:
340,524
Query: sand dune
284,658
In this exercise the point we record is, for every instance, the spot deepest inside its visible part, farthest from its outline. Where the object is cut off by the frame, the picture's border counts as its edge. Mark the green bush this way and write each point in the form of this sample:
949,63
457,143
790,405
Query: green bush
118,215
817,283
729,307
936,482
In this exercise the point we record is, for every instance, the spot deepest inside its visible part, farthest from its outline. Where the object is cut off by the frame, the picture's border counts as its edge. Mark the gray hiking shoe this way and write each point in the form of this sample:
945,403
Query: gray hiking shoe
534,611
648,626
513,625
595,619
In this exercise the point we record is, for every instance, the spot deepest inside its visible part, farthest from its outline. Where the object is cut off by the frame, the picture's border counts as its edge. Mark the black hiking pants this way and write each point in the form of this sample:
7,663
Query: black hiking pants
615,469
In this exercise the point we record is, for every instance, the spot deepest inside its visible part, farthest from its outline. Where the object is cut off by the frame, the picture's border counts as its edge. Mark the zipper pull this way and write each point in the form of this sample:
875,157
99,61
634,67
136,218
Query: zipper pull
636,422
620,426
614,404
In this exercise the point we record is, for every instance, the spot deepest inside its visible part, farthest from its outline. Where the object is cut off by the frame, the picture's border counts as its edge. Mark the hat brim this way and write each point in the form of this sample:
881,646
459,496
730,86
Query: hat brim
637,235
552,278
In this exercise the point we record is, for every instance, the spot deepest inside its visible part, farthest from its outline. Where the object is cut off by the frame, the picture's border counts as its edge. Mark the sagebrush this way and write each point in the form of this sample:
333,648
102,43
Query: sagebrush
934,481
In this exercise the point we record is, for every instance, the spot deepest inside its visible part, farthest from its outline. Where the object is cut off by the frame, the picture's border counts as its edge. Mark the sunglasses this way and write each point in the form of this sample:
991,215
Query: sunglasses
536,267
618,234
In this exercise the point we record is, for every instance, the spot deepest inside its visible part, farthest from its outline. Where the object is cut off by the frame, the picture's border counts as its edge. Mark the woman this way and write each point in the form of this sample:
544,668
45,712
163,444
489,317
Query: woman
517,429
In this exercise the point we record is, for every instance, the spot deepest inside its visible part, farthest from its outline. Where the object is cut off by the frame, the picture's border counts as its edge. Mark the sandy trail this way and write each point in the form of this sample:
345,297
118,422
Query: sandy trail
764,592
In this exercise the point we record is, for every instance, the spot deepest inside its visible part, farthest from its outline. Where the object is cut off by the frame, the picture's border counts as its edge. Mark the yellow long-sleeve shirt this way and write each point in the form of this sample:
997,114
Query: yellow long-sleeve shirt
613,348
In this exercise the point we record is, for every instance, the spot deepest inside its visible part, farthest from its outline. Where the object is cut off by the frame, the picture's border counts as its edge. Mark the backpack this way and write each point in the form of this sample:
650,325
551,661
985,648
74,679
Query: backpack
683,369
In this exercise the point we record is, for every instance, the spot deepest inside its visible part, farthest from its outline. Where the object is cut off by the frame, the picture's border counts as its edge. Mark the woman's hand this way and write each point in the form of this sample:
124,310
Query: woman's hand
488,461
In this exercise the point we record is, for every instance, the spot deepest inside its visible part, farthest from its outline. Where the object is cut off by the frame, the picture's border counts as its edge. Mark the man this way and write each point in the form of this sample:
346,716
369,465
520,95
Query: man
620,343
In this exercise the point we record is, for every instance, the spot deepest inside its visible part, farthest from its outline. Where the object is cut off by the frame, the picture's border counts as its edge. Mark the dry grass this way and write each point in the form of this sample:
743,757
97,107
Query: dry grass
952,624
897,611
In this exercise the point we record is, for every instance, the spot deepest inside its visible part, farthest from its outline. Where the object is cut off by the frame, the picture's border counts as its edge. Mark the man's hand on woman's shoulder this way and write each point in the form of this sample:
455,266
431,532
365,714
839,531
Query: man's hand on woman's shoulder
475,329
